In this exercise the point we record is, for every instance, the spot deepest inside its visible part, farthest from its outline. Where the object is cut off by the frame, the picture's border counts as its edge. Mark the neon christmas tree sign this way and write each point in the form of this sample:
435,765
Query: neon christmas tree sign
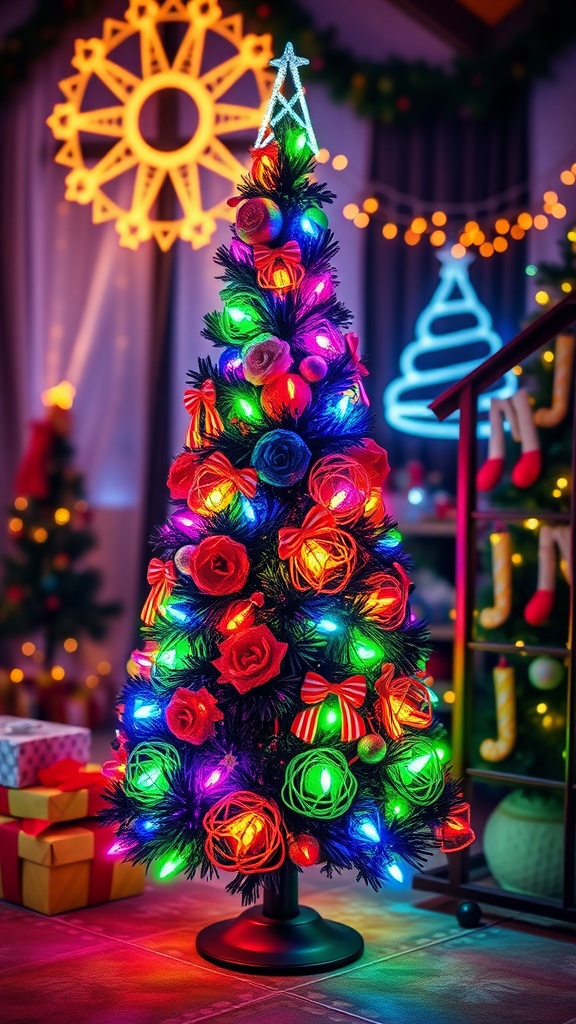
454,297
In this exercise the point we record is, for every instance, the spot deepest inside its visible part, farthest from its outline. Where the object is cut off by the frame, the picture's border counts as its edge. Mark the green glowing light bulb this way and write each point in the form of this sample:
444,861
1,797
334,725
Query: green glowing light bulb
171,865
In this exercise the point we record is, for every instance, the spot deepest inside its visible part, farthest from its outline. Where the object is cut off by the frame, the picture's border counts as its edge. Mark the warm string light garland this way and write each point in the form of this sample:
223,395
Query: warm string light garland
438,226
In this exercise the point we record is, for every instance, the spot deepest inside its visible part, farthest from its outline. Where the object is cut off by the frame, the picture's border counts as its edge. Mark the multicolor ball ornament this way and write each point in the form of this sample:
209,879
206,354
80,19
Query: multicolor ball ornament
258,221
341,485
371,748
182,558
230,364
289,393
319,784
416,773
244,833
313,368
546,673
304,850
313,221
148,770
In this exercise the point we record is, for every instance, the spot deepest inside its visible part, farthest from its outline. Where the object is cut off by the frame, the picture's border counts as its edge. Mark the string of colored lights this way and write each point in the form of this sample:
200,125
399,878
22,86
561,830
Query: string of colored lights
439,226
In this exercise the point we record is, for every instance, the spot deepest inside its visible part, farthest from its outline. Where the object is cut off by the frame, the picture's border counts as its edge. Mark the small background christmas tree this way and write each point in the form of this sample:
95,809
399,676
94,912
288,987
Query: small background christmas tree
49,597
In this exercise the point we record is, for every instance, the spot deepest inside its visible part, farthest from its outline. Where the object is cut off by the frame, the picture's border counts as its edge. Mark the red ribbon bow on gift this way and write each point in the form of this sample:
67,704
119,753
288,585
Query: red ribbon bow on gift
197,401
351,694
288,255
353,342
291,538
162,577
67,775
244,480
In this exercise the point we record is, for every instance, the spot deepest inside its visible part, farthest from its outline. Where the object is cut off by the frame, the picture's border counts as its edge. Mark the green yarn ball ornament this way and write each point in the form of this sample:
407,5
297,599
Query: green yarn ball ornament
319,784
149,766
417,773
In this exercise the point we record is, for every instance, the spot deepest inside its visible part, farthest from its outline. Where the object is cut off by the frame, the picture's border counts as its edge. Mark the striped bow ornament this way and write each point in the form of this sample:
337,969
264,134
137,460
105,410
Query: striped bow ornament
162,577
200,402
243,480
351,694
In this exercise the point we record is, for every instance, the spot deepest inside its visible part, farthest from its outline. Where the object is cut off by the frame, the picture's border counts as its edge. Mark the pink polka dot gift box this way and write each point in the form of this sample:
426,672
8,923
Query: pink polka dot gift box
27,746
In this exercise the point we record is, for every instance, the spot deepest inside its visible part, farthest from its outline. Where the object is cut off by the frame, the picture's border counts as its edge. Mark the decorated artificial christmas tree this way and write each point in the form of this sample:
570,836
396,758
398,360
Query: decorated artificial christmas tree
279,714
48,596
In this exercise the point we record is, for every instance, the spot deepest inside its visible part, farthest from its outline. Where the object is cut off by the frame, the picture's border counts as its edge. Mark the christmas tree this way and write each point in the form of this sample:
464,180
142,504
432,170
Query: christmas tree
46,591
279,714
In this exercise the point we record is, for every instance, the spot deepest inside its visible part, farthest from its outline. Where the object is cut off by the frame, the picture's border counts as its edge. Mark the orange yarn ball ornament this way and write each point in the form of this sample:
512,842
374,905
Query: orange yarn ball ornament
216,481
320,556
244,833
404,701
341,485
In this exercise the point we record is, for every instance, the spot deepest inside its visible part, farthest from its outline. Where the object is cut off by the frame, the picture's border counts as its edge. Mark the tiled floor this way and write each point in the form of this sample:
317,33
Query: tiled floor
135,962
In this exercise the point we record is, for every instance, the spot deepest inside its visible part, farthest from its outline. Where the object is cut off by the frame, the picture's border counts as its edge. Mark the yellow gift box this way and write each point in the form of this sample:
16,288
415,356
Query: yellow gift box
64,868
51,803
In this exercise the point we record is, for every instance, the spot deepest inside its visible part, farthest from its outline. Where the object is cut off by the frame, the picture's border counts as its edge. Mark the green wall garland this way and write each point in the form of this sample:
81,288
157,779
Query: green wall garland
391,91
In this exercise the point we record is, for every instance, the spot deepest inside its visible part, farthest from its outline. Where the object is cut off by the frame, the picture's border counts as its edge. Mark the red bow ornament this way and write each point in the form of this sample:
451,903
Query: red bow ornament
162,577
216,481
264,159
353,342
404,701
321,556
455,833
351,694
280,269
202,402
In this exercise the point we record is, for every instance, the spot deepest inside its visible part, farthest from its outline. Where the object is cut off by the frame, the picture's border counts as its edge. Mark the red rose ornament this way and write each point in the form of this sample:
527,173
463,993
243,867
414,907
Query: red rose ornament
181,473
219,565
190,716
249,658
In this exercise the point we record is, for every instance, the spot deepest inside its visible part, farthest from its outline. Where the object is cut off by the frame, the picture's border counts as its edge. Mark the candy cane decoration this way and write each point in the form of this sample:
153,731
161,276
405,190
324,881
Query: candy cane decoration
492,617
505,693
562,384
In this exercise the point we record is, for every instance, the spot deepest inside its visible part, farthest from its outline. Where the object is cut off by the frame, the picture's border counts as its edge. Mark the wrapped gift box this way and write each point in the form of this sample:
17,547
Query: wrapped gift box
57,801
64,868
27,746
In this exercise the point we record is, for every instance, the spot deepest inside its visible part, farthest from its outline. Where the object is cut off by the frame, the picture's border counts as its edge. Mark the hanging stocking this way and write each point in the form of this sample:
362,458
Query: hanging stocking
517,411
527,469
505,694
562,385
490,473
491,618
539,608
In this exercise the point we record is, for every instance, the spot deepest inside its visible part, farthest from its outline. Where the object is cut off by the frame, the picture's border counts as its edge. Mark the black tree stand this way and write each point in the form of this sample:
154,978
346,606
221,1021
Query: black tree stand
280,937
